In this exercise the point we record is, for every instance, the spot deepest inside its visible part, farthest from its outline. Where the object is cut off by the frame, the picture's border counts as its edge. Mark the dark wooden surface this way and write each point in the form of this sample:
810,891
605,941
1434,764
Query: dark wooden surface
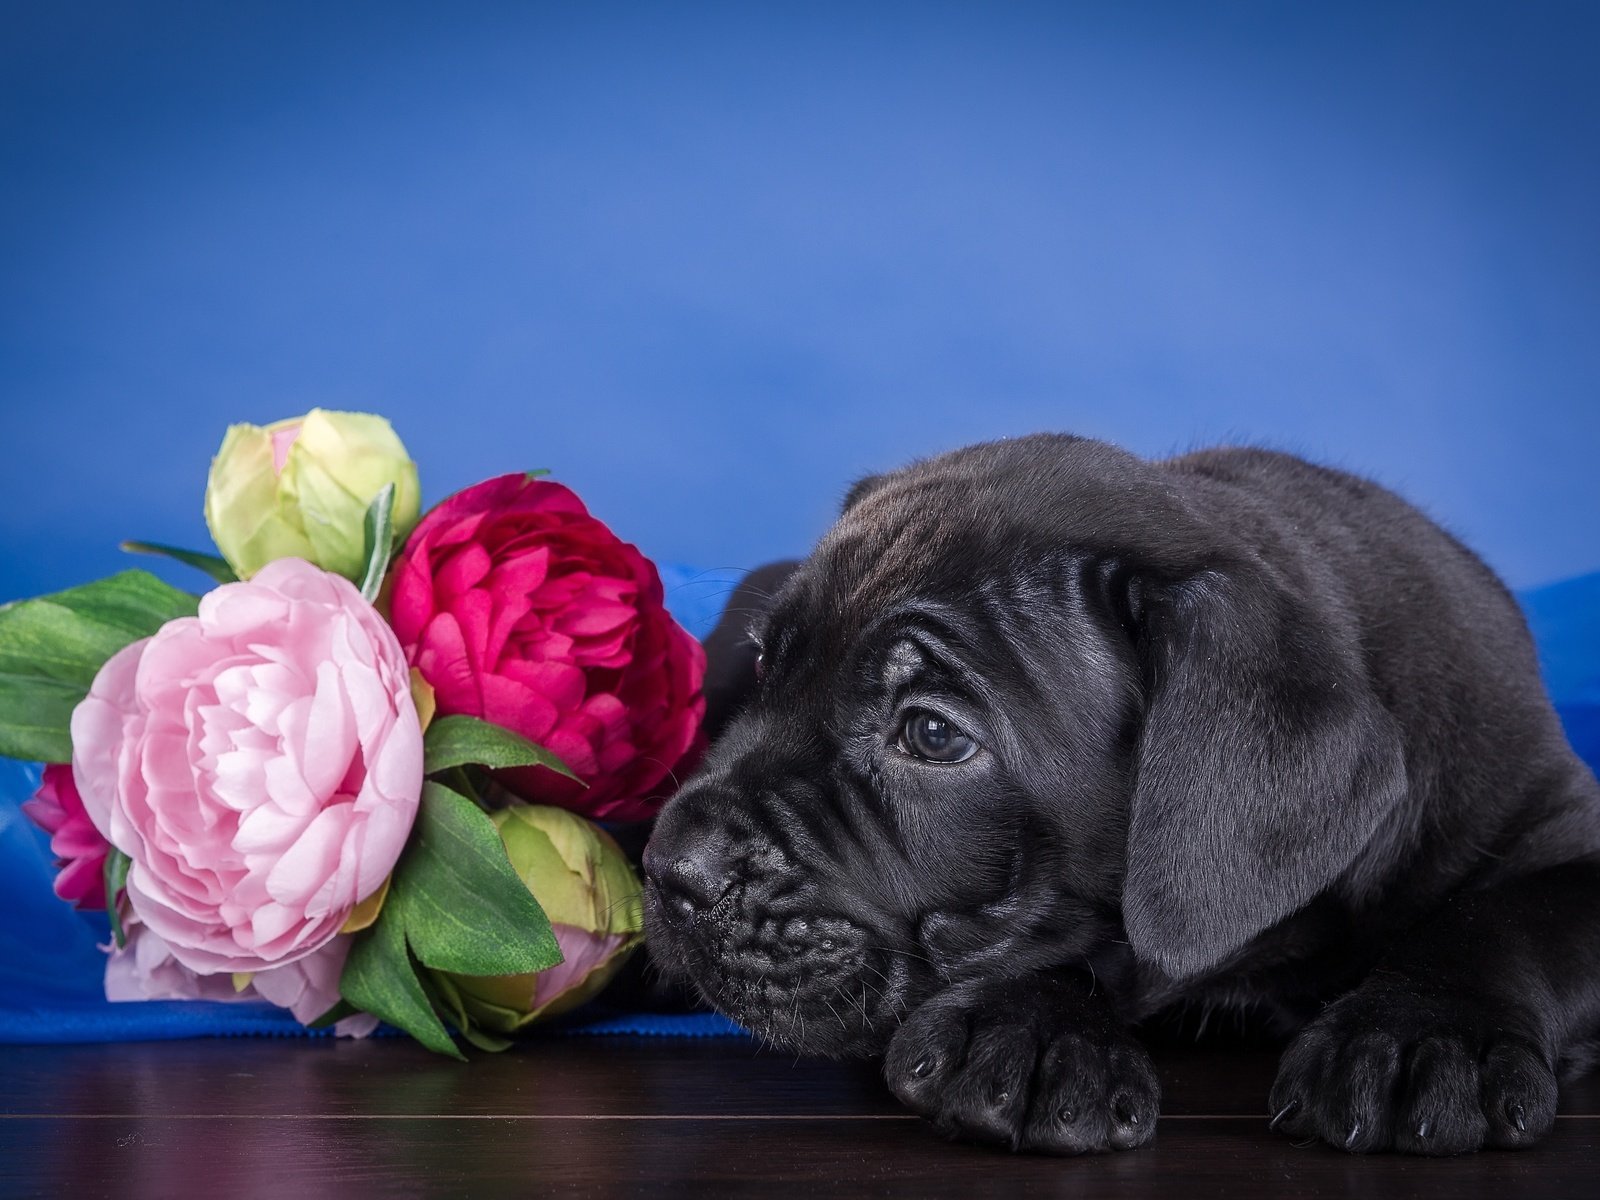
622,1116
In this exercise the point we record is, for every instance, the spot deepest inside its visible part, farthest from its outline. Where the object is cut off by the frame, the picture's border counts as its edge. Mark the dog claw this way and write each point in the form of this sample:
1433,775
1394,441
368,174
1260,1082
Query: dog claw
1283,1114
923,1068
1350,1138
1518,1117
1424,1128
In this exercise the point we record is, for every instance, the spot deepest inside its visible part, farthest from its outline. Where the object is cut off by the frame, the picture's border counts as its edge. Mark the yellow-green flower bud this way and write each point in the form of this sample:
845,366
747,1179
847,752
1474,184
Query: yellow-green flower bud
301,489
582,880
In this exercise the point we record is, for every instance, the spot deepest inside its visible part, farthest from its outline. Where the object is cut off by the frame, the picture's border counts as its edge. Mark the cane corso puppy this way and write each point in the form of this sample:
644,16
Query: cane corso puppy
1048,740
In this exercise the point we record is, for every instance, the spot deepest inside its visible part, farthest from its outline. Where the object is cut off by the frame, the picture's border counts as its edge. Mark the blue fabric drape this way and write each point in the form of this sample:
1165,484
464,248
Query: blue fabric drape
51,965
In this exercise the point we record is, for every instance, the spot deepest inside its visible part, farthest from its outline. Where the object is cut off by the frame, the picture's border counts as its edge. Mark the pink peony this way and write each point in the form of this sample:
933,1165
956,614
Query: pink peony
309,987
520,608
260,763
80,851
145,969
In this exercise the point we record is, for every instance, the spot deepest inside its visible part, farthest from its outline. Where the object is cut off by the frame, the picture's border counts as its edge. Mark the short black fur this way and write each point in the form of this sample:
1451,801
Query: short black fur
1254,734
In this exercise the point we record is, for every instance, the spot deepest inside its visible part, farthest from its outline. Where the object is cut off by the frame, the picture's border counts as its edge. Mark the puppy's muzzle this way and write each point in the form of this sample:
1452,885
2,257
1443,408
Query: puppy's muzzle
724,905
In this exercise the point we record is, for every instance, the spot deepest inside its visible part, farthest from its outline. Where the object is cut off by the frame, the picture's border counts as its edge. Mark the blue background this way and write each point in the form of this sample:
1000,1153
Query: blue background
711,262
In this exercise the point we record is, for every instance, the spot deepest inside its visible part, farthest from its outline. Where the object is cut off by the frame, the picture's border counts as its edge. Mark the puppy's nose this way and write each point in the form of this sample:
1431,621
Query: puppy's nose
690,877
692,884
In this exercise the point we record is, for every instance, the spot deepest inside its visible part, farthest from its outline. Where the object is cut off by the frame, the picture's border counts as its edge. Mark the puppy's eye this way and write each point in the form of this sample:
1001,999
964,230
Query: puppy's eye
927,735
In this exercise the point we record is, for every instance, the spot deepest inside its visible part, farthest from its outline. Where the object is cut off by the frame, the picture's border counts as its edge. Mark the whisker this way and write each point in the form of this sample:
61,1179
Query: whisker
834,1010
620,901
907,953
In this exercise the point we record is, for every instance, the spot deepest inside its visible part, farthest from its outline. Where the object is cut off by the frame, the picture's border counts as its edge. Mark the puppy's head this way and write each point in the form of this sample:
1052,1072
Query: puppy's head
1019,702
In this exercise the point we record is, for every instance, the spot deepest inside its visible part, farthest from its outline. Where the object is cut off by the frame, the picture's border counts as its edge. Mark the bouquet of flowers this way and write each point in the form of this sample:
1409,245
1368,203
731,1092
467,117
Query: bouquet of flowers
359,777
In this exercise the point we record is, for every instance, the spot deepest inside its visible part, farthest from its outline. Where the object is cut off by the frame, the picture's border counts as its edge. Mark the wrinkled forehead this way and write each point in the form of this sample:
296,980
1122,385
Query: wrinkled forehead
965,597
882,556
1006,576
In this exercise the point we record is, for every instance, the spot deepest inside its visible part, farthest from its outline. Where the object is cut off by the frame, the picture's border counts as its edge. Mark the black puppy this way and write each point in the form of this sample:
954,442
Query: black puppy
1049,739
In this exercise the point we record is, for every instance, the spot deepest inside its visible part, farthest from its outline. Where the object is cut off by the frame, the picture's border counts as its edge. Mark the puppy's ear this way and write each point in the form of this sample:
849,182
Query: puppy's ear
860,490
730,654
1265,764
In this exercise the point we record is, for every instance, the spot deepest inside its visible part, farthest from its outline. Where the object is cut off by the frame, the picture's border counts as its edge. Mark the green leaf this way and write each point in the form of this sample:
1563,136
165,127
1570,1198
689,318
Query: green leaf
455,904
486,1041
69,635
35,718
379,978
116,877
447,999
51,648
459,779
463,906
460,740
379,527
212,564
536,473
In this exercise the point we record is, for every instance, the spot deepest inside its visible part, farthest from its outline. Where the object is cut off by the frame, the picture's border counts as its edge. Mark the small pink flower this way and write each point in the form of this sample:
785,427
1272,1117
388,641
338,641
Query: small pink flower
260,763
80,851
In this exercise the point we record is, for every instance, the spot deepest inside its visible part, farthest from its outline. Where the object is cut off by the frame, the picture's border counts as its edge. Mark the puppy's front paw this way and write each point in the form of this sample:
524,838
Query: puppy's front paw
1029,1065
1387,1070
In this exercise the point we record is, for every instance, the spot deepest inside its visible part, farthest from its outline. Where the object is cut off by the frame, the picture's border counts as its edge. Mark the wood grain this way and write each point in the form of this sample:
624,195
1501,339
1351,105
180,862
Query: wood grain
627,1116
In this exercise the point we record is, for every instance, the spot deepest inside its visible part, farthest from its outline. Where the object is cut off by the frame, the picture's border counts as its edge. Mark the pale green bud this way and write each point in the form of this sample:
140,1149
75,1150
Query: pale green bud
583,881
301,489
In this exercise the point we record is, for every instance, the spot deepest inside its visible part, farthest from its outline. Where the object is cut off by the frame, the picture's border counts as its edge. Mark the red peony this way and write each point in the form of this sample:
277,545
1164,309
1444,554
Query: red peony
519,607
80,851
